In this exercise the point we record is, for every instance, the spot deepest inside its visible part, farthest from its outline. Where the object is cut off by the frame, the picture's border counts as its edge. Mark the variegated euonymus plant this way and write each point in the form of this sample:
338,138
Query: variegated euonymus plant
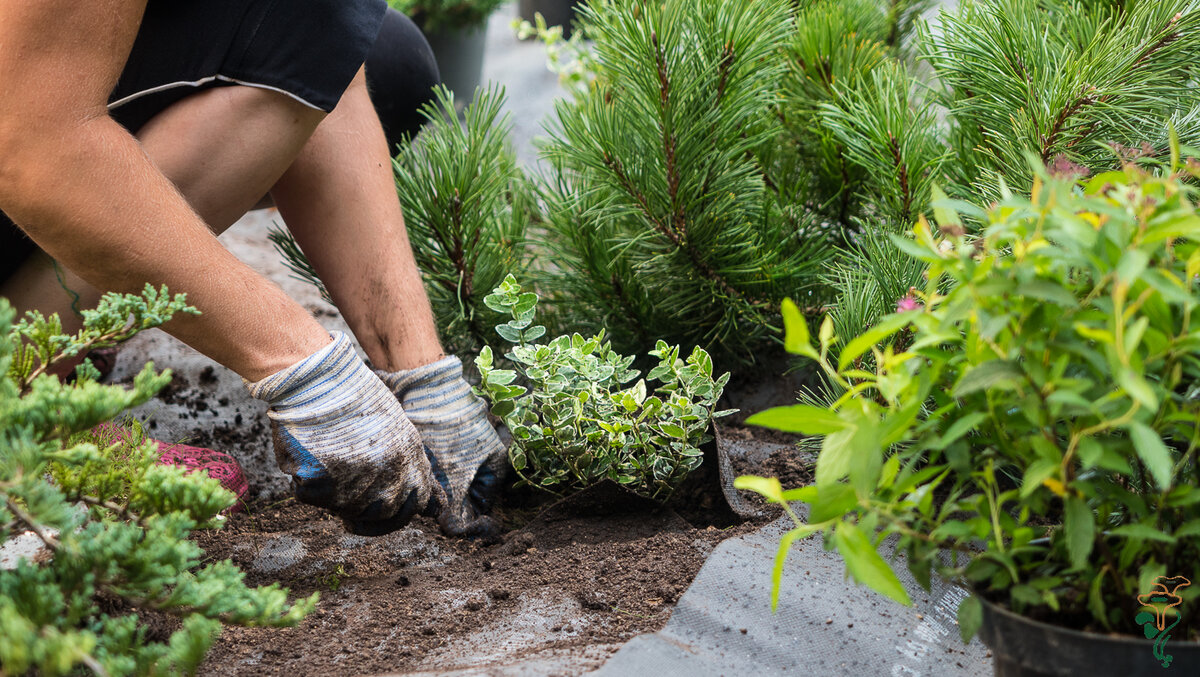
579,422
1034,410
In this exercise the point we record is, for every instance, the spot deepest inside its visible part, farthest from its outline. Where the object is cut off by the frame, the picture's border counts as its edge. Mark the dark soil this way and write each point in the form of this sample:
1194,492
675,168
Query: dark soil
562,587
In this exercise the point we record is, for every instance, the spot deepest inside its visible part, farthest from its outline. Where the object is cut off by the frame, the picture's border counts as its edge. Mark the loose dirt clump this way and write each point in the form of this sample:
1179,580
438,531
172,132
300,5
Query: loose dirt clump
560,591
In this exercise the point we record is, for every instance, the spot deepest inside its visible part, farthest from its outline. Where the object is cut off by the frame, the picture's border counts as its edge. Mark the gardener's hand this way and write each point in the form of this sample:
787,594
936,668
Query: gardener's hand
346,442
467,455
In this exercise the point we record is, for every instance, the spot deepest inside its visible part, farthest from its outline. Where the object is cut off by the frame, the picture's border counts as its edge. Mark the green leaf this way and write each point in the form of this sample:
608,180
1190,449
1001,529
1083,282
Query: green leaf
508,333
674,430
1143,532
796,339
1153,452
944,215
1131,265
1044,290
1191,528
872,337
970,618
1137,387
866,566
767,487
1080,531
503,408
1037,472
785,544
962,426
987,375
830,502
799,418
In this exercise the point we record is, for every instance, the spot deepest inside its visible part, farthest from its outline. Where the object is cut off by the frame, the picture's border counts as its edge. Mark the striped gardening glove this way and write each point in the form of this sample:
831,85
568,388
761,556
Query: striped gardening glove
346,442
468,457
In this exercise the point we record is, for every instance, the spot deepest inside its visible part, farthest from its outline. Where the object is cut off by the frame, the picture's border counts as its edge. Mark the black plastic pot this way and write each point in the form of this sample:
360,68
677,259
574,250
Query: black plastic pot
1026,648
556,12
459,53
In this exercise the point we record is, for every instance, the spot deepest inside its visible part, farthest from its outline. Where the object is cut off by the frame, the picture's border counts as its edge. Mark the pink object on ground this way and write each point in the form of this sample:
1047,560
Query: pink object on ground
219,465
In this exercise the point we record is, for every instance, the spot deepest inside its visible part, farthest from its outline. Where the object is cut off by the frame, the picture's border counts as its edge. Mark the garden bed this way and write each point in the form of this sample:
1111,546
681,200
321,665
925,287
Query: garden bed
559,593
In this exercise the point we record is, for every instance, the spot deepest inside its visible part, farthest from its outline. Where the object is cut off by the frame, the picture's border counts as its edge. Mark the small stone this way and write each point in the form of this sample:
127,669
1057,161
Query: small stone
403,582
828,621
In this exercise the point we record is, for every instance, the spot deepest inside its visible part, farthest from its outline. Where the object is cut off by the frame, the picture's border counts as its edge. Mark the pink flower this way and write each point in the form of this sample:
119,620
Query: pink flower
908,303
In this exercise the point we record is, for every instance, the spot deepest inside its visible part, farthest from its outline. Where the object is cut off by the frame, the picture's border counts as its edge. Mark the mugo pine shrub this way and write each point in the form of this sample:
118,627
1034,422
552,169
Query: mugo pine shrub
715,157
579,423
114,522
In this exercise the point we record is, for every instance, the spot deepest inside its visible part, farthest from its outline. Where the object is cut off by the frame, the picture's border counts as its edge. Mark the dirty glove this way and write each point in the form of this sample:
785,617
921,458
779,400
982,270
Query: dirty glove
346,442
468,457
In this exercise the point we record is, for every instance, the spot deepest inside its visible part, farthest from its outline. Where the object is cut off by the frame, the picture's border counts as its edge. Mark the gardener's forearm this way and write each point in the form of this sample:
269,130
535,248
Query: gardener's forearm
81,186
89,196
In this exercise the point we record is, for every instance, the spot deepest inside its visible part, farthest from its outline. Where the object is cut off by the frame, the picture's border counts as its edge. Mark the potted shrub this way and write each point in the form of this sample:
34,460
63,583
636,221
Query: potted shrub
1027,424
457,32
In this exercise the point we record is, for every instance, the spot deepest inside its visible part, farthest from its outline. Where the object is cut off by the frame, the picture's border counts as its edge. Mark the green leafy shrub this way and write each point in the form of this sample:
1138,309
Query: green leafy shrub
1035,412
114,521
577,424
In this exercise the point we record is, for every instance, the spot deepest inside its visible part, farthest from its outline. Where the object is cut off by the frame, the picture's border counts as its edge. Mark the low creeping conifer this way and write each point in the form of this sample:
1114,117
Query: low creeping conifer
112,522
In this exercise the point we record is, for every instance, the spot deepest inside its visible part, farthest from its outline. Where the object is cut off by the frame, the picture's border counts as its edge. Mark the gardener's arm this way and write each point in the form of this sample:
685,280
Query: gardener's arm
80,185
83,189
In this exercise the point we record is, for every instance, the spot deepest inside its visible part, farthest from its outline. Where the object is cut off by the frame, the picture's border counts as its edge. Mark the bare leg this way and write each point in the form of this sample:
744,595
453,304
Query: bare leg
222,148
339,200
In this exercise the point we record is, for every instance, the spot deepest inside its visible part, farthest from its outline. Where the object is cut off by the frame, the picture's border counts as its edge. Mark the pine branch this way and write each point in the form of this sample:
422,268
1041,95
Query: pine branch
902,170
1050,141
34,526
666,230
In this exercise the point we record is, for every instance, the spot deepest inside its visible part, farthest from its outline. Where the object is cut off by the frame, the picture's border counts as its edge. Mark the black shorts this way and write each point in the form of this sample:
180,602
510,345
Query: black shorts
306,49
309,50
